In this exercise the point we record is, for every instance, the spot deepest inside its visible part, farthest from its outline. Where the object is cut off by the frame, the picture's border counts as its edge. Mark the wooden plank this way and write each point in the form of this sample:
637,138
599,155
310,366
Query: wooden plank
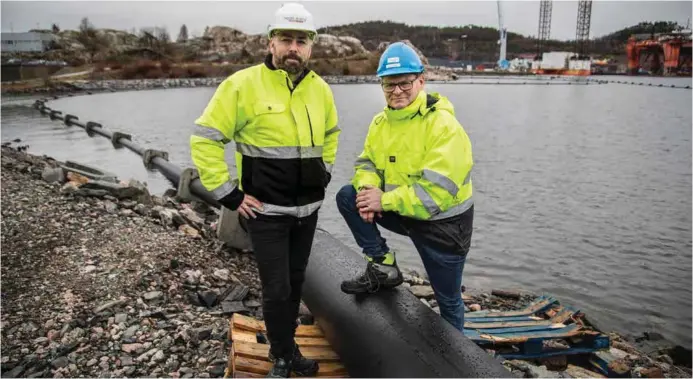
231,367
241,374
312,331
254,366
250,324
247,323
503,319
521,330
557,319
480,336
332,369
540,304
243,336
260,351
247,336
307,341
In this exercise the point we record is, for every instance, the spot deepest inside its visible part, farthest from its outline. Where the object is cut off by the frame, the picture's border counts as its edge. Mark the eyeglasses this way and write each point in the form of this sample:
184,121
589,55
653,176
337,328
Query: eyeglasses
404,86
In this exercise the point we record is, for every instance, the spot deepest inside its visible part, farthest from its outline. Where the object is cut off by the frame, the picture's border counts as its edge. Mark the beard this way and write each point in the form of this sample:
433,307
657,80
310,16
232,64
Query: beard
292,67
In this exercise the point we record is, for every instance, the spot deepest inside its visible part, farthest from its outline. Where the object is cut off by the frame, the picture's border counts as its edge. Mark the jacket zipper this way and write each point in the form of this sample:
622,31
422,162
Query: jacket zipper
310,124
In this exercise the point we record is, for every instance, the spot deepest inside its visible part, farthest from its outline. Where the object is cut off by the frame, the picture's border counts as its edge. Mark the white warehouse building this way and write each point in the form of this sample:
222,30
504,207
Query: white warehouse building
25,42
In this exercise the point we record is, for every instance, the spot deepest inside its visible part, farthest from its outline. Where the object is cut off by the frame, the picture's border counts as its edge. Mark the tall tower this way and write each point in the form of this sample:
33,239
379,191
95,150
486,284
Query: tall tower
582,30
544,25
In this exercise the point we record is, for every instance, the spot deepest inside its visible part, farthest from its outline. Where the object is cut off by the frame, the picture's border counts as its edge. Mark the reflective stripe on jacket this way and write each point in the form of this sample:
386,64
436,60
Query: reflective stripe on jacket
421,157
285,134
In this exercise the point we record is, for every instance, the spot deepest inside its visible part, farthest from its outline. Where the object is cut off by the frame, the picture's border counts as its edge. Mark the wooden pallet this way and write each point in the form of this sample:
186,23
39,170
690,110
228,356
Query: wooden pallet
248,358
528,329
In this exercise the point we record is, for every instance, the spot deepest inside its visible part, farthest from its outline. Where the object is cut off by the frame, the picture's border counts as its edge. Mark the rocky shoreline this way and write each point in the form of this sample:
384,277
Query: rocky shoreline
76,86
104,279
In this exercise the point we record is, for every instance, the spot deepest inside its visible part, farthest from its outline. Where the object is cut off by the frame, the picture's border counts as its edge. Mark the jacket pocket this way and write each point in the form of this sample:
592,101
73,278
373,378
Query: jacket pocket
266,107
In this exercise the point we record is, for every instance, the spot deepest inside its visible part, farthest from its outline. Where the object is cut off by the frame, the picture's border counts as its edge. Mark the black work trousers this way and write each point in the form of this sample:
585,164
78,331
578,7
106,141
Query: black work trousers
282,247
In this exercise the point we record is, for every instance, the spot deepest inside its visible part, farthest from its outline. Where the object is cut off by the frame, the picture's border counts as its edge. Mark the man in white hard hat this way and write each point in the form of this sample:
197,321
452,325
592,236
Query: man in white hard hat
283,120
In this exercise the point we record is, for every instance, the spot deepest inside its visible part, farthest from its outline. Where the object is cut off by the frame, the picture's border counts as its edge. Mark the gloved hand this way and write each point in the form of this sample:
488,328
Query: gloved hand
233,200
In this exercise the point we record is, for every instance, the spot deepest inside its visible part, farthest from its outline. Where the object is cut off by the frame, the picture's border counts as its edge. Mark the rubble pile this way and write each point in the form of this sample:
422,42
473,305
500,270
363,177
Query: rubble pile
104,279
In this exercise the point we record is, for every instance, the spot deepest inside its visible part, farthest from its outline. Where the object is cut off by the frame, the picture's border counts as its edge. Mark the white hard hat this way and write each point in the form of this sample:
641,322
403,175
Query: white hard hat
292,16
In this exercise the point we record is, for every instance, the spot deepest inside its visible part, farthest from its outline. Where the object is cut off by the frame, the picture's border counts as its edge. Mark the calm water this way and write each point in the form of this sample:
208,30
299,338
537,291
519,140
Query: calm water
583,192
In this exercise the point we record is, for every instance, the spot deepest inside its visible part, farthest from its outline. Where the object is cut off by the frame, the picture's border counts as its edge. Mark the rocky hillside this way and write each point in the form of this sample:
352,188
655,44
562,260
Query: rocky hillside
219,43
228,43
150,54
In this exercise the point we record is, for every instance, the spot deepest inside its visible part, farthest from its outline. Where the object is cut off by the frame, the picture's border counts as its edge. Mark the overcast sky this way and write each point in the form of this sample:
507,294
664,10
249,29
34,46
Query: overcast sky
253,17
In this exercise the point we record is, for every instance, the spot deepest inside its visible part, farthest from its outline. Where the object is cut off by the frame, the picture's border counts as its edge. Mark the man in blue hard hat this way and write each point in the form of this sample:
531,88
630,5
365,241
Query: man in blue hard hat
412,178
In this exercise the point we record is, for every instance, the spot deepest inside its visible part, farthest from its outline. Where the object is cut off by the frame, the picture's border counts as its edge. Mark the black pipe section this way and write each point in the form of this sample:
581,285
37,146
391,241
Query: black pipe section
387,334
167,169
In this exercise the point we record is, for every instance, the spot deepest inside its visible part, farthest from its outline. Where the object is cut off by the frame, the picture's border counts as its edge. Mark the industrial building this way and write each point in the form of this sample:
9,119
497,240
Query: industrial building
26,42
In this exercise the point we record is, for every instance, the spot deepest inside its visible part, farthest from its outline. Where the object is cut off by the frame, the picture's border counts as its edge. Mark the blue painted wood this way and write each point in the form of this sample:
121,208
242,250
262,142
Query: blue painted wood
600,360
516,331
542,334
498,319
533,334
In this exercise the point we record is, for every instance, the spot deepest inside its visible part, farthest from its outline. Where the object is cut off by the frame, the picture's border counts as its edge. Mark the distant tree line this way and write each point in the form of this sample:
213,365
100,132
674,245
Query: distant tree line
473,42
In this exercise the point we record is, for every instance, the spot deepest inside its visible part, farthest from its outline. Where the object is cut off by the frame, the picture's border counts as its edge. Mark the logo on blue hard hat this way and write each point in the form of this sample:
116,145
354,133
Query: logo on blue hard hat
399,58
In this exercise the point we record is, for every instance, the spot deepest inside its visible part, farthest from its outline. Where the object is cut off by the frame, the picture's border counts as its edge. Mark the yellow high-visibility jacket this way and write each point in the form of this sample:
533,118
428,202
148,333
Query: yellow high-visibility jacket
421,157
286,138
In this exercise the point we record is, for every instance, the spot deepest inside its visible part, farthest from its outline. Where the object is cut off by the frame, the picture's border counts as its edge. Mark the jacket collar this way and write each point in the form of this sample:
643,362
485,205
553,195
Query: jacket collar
420,106
270,65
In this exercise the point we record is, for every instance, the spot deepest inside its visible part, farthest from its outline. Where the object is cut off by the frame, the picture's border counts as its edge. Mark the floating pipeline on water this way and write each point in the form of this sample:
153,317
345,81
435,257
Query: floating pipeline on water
140,84
186,180
92,86
641,84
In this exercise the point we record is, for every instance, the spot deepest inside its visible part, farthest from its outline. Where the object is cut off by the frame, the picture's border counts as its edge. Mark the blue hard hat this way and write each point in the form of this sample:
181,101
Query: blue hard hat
399,58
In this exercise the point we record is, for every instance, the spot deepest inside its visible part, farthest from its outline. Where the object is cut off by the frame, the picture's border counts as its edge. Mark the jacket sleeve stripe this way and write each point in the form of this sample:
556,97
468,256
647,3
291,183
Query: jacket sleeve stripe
426,199
223,190
335,129
468,177
364,164
442,181
210,134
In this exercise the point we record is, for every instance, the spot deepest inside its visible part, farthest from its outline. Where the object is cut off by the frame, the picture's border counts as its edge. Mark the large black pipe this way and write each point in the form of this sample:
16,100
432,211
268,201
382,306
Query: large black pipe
387,334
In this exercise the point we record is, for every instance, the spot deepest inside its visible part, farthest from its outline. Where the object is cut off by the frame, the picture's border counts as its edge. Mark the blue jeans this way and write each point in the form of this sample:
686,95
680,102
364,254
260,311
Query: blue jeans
444,269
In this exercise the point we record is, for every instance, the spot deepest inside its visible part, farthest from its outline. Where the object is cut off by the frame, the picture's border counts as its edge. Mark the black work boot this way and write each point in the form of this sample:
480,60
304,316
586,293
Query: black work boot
281,368
381,273
303,366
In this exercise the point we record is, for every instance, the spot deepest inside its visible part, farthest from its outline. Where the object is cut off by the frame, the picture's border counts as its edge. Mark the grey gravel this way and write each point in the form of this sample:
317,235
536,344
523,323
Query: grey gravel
89,289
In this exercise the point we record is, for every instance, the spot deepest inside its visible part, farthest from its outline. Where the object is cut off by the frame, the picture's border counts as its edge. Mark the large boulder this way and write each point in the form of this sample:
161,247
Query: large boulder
329,46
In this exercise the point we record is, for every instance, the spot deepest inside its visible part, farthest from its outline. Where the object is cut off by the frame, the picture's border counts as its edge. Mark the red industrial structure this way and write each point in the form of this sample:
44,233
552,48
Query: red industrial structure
660,54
